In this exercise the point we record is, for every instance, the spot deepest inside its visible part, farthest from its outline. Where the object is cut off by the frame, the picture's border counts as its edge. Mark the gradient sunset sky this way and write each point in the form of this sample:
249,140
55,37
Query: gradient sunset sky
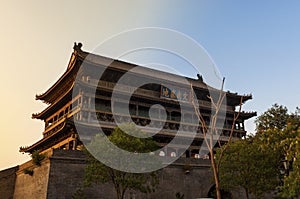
255,45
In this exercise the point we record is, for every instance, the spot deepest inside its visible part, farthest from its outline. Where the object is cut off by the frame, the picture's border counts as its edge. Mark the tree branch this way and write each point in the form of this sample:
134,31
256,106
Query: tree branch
235,117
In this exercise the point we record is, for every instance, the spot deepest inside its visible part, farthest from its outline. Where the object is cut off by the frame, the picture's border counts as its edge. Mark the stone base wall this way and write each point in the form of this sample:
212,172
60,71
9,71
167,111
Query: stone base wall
7,182
62,174
67,172
35,185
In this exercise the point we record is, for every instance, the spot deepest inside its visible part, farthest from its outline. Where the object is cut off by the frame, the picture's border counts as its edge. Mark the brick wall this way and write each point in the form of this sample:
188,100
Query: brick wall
7,182
34,186
67,170
62,174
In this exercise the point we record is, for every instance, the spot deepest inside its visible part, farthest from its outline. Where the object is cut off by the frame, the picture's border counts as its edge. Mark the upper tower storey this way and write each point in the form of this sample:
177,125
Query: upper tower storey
61,90
67,100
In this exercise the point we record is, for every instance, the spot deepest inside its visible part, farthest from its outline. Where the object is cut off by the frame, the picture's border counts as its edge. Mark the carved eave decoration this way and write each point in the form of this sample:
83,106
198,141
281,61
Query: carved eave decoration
36,146
46,112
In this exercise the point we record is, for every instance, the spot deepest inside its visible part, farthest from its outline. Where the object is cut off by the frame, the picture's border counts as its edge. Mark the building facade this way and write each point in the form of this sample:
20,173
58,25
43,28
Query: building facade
79,95
163,106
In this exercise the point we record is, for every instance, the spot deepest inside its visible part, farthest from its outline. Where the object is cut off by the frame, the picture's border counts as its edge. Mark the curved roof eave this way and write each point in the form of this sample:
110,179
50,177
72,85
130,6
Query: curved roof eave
30,148
40,115
94,59
71,65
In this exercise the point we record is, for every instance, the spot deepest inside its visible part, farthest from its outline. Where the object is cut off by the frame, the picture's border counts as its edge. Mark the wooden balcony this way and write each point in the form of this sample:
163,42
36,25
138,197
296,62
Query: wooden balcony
169,127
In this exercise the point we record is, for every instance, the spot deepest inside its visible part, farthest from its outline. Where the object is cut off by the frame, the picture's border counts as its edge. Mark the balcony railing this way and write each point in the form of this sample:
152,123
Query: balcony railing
169,125
142,92
58,123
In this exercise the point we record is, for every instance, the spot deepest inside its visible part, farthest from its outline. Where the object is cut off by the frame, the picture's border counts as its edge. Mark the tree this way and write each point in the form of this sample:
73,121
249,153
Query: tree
291,186
274,118
209,132
291,149
246,164
279,130
98,173
291,183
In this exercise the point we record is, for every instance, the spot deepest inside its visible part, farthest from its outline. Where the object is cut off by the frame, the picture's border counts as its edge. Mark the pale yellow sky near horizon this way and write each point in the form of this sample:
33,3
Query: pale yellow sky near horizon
36,43
37,38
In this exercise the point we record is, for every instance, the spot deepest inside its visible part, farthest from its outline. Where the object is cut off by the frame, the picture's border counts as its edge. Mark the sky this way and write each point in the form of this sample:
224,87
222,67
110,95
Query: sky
254,44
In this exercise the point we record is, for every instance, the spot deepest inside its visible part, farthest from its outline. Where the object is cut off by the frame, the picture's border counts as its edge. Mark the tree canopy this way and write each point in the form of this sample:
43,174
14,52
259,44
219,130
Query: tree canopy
274,118
283,137
256,163
99,173
245,164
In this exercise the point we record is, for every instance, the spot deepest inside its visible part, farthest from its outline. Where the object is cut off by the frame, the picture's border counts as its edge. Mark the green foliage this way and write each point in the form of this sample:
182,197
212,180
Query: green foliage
37,158
291,148
280,131
274,118
245,164
28,171
98,173
130,143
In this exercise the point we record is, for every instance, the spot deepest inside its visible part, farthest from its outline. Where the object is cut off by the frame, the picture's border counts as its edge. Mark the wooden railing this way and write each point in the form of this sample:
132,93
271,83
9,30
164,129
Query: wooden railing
142,92
173,125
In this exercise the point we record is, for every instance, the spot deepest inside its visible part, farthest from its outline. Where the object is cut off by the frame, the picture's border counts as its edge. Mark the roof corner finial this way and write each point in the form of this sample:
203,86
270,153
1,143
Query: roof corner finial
200,78
77,47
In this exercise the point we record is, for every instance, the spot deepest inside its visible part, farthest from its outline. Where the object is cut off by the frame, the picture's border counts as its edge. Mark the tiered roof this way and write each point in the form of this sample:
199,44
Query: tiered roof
61,91
63,86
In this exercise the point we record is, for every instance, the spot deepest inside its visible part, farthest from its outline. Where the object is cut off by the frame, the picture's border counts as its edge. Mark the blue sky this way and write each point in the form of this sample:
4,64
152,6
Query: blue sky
255,45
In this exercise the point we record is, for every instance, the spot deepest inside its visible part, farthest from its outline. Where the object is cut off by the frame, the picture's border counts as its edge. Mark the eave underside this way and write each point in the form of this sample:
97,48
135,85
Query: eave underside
119,68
